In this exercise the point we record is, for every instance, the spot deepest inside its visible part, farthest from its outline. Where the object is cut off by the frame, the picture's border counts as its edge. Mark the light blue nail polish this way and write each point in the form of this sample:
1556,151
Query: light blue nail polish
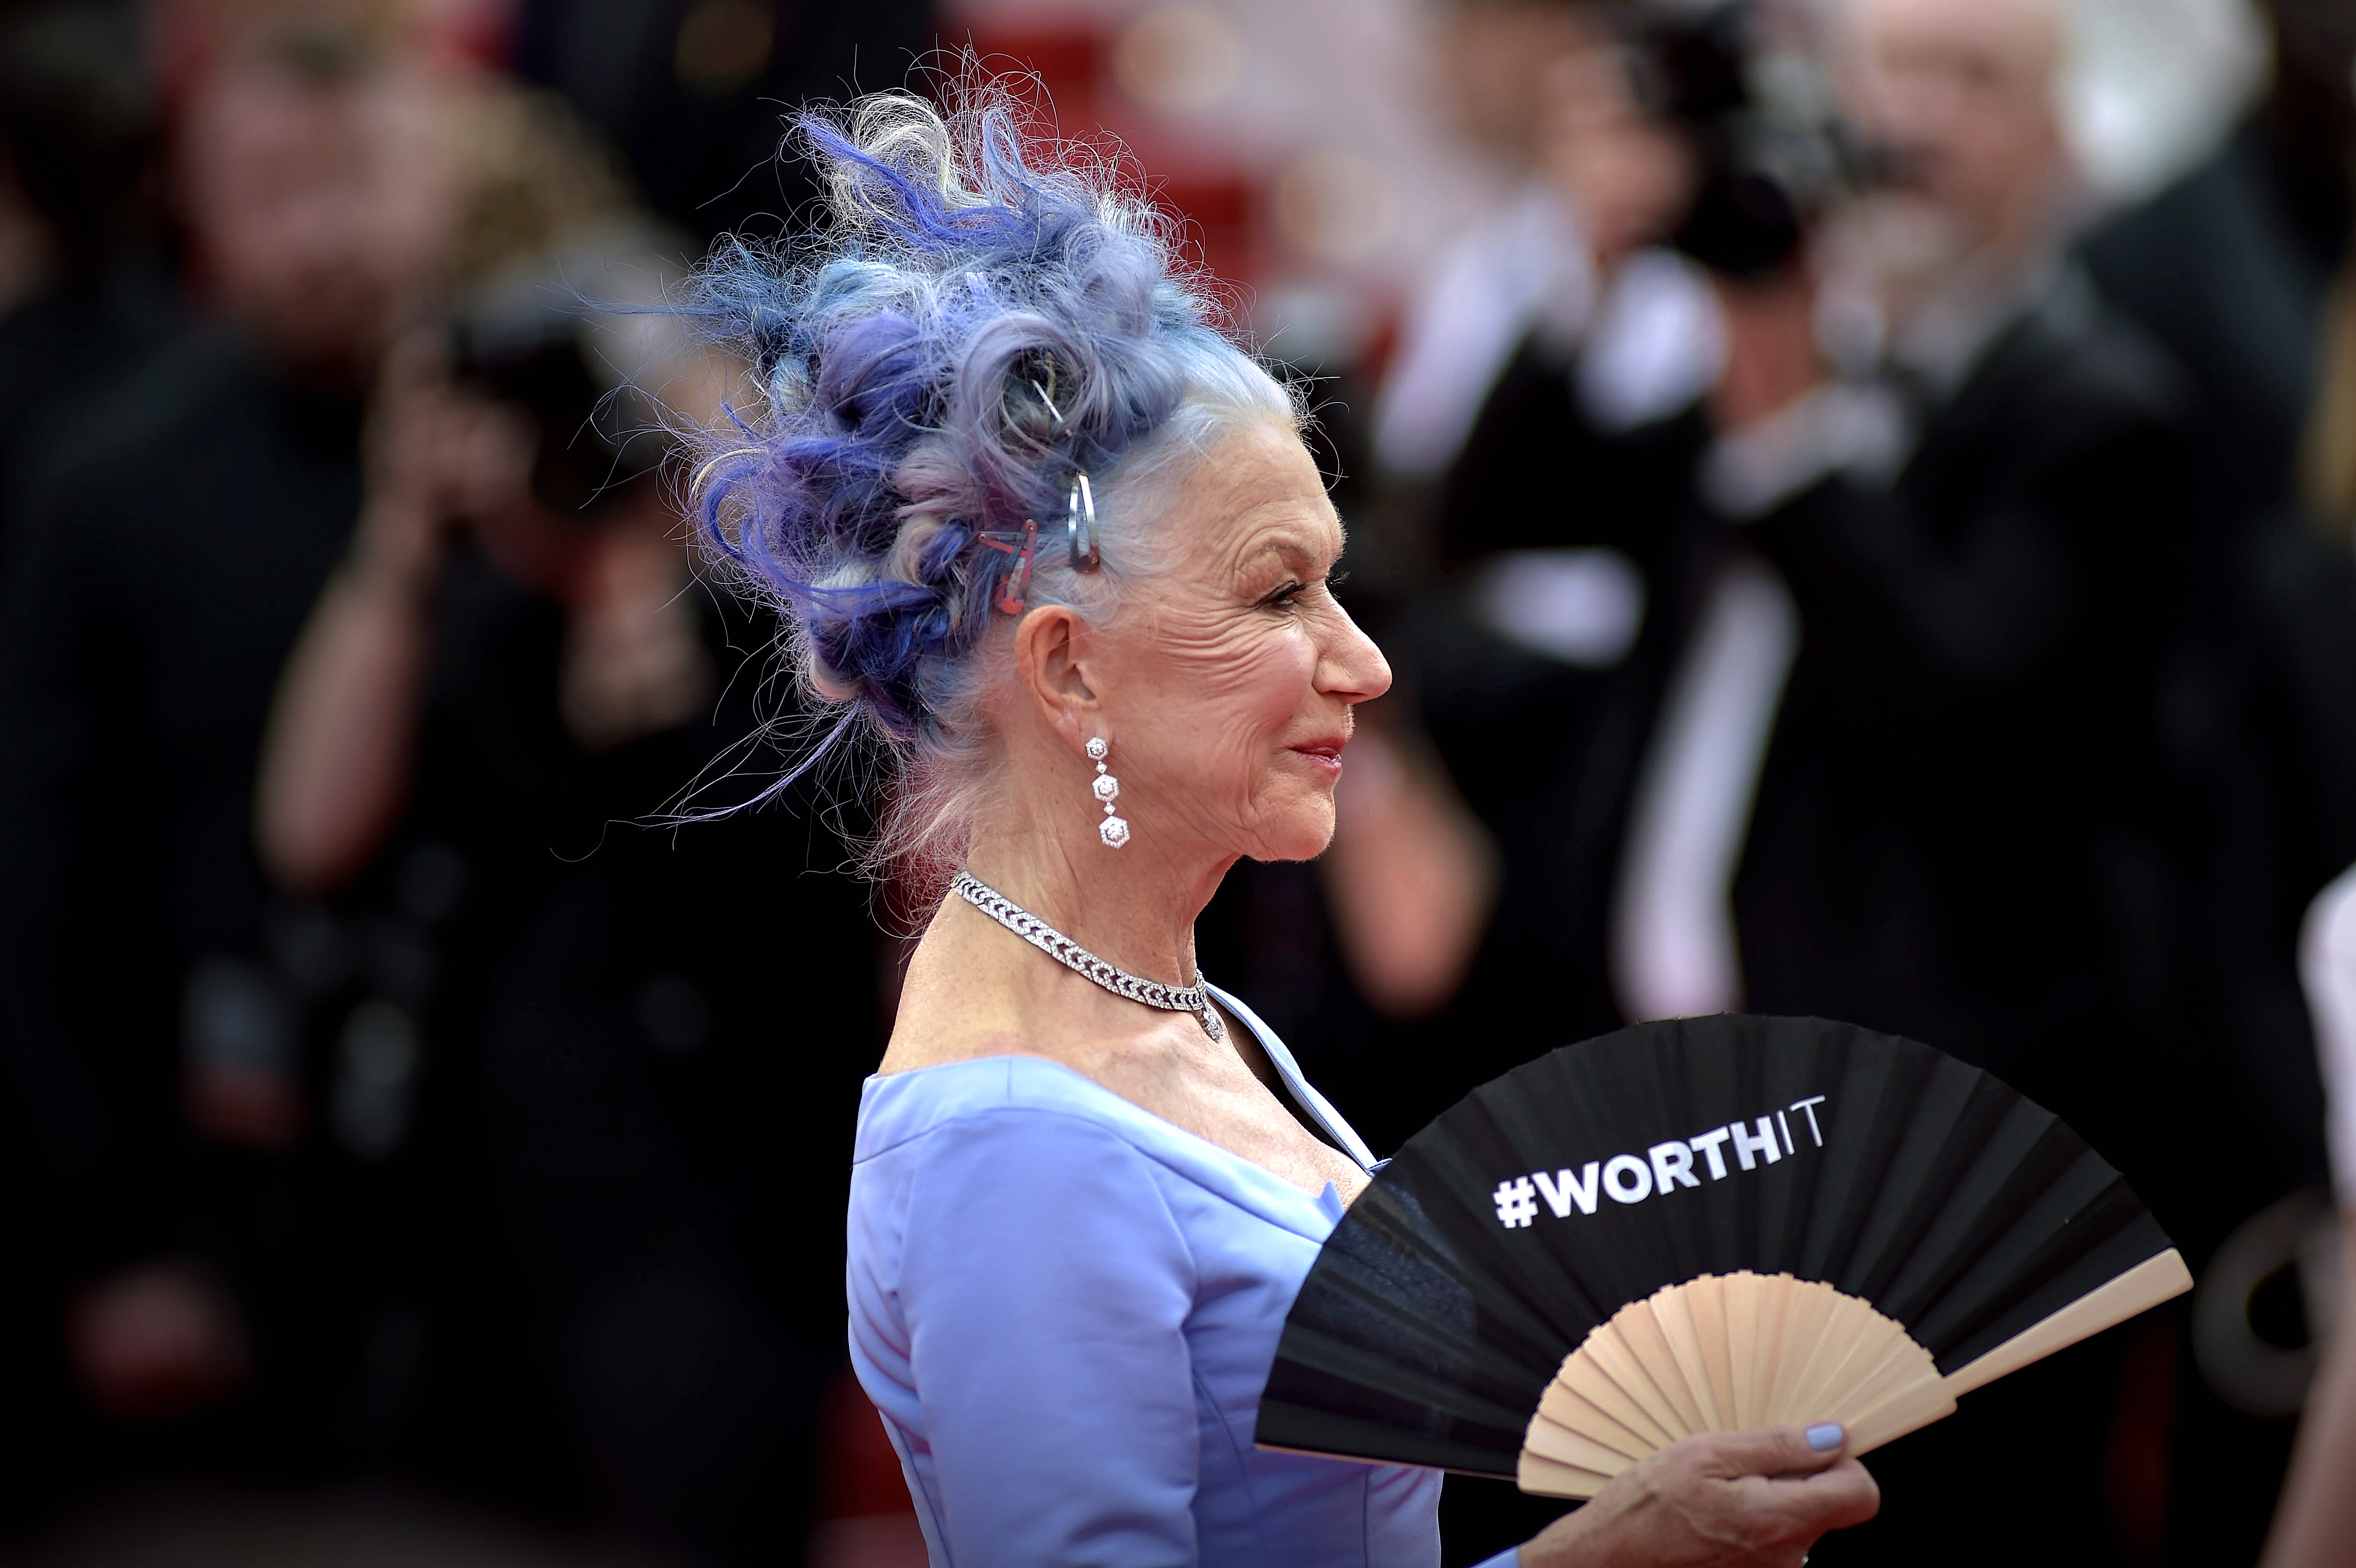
1825,1438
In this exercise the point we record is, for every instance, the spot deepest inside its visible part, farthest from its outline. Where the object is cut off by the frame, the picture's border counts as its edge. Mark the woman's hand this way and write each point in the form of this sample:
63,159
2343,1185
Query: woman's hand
437,457
1723,1500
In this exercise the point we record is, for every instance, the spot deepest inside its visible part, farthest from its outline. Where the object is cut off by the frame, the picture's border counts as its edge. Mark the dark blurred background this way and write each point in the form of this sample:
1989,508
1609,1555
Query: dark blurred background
1857,493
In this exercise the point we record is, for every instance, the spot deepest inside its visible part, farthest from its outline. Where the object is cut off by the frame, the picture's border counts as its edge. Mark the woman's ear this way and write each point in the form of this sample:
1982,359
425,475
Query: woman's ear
1050,649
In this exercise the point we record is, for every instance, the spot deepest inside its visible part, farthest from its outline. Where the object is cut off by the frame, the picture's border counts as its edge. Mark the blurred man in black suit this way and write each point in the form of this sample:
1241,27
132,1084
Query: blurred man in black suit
1959,553
1901,735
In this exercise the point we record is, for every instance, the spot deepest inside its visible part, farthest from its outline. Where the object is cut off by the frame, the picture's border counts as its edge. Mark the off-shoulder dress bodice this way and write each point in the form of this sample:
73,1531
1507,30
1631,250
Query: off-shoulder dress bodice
1066,1309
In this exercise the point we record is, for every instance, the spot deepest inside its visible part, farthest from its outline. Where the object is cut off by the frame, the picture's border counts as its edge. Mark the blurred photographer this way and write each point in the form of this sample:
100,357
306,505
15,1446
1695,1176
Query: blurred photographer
1879,740
1907,772
1560,604
514,670
171,537
1535,90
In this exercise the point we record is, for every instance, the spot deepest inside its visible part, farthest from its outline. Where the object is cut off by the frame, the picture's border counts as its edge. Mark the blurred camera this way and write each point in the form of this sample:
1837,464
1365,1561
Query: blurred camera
1772,150
569,337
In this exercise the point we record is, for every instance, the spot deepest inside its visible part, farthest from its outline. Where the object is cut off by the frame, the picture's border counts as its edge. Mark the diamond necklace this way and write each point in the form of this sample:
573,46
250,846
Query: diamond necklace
1192,998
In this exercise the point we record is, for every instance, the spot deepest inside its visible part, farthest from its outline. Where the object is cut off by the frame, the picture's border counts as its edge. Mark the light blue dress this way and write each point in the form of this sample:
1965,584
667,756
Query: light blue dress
1066,1309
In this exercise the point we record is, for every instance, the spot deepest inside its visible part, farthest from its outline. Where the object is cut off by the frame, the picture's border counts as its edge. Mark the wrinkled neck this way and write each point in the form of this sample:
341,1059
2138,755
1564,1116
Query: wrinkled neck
1134,907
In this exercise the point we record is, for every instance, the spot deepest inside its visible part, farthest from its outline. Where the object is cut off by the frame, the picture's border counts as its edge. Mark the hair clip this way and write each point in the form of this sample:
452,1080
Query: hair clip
1061,422
1016,582
1081,525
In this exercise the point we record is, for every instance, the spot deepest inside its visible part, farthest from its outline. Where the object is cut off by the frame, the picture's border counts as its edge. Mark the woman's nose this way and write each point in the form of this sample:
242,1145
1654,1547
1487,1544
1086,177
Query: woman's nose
1353,667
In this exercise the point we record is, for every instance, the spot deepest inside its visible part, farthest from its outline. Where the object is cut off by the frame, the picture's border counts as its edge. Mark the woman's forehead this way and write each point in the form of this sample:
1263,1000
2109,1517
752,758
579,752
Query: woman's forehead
1254,492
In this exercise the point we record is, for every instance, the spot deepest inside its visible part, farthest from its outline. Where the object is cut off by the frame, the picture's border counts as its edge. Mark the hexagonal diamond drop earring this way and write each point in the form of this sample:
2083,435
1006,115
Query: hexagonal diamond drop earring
1107,789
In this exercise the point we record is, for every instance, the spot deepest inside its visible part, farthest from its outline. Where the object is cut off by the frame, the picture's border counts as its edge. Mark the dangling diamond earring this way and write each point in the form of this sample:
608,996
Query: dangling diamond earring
1106,788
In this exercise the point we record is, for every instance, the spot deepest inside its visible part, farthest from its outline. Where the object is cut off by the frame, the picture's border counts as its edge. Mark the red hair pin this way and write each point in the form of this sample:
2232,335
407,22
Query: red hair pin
1016,582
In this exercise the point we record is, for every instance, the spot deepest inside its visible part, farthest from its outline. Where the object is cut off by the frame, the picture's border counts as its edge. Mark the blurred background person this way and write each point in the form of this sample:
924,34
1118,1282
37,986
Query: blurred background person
1531,256
2231,268
2316,1523
1957,568
170,543
279,1163
76,298
1876,747
2317,1518
1538,676
1413,882
513,671
692,93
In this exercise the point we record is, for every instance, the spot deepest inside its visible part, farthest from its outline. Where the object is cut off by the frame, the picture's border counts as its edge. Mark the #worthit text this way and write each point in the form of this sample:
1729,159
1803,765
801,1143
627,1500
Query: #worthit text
1627,1178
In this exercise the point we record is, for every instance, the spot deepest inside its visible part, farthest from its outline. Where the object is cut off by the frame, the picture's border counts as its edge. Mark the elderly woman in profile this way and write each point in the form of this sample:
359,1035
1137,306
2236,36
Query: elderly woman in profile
1057,542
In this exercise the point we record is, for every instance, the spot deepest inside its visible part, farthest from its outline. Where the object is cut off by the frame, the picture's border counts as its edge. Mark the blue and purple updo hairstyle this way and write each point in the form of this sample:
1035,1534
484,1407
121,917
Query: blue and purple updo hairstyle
982,315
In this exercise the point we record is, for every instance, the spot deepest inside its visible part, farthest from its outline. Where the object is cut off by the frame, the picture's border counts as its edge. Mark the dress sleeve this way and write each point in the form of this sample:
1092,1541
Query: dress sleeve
1045,1290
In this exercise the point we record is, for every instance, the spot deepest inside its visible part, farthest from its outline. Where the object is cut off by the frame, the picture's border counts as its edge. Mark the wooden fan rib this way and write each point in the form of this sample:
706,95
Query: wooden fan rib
1882,1383
1866,1345
1851,1346
1863,1356
1618,1357
1741,1301
1596,1372
1569,1409
1804,1324
1551,1478
1909,1408
1903,1366
1641,1330
1567,1445
1707,1304
2139,1289
1673,1309
1775,1296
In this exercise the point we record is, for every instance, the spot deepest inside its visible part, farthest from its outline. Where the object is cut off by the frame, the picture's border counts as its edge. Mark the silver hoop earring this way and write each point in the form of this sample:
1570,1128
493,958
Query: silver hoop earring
1107,789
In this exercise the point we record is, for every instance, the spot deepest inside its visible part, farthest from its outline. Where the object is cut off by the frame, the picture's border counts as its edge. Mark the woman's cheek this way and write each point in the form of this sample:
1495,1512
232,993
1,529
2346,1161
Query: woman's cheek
1236,693
1251,679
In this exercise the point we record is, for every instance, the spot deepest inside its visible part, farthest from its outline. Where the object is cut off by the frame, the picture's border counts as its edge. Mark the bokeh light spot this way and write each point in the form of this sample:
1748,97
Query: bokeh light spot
724,45
1180,60
1335,205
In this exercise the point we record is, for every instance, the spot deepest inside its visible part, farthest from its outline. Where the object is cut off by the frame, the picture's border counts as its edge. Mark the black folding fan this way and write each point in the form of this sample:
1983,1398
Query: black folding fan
1699,1226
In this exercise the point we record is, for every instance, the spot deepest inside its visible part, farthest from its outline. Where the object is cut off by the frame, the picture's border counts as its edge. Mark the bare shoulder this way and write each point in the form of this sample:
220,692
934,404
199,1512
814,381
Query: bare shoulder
955,1006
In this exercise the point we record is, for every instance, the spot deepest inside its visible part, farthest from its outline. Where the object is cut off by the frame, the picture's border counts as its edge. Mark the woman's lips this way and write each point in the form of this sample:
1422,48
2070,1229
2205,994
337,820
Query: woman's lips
1326,754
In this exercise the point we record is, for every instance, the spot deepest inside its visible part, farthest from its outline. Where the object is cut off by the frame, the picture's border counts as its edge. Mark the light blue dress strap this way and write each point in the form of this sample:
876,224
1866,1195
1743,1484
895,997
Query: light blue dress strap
1343,1135
1306,1095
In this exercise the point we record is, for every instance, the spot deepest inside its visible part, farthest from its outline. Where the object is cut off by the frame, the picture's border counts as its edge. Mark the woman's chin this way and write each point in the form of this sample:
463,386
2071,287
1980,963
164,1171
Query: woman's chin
1303,833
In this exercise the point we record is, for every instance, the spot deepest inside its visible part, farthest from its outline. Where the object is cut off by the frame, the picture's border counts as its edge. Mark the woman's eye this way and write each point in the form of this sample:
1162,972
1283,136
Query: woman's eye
1290,593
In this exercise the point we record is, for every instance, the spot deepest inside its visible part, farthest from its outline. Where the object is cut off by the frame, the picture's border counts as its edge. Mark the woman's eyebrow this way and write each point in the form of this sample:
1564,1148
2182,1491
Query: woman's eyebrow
1293,545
